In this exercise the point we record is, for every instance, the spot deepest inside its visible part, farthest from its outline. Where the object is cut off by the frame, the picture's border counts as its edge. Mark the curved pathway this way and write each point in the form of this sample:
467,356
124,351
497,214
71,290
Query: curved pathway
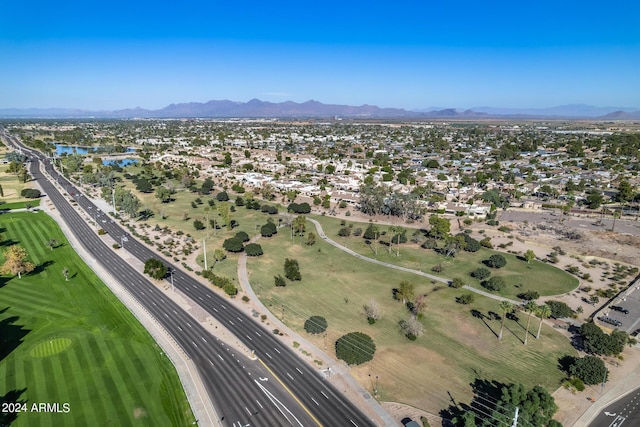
405,269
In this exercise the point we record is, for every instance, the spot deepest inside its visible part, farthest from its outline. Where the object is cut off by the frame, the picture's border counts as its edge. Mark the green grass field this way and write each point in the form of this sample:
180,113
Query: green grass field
74,342
10,185
455,349
519,276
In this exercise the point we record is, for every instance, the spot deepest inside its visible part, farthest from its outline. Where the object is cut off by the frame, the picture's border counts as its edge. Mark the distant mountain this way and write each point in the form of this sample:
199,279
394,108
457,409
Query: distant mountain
571,110
256,108
622,115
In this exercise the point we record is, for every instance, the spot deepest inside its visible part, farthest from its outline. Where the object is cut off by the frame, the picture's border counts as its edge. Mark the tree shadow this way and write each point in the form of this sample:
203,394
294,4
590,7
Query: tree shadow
479,315
11,334
12,396
8,242
3,281
42,267
565,362
486,394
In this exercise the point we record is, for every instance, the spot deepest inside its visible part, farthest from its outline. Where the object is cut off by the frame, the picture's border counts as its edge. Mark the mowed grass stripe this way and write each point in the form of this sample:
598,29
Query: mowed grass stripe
114,382
140,386
33,243
18,301
93,383
73,389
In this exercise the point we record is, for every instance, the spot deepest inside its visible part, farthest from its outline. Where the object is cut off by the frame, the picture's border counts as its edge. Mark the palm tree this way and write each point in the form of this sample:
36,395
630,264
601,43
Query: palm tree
530,307
615,215
505,307
542,312
65,273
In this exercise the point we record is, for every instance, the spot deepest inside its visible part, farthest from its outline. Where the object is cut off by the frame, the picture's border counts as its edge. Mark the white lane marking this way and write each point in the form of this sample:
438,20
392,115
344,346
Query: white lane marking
258,402
268,355
289,375
277,351
315,401
203,339
220,358
353,423
325,396
297,369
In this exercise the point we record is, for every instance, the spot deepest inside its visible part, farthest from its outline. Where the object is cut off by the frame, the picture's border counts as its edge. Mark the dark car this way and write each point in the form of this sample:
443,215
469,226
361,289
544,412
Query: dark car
609,320
620,309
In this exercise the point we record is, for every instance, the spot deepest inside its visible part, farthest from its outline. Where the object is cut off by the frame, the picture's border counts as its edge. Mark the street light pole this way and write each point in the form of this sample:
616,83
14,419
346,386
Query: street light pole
172,288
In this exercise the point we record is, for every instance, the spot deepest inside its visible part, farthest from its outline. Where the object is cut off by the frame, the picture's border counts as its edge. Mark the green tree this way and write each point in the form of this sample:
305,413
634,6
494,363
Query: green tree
590,369
279,281
163,194
496,261
594,198
268,230
233,244
505,307
495,283
155,268
529,256
292,269
311,239
625,192
315,325
219,256
198,225
253,249
405,292
440,227
355,348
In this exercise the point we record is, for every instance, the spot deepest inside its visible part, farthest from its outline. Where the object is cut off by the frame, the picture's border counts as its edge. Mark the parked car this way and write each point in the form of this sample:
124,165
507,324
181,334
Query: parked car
611,321
620,309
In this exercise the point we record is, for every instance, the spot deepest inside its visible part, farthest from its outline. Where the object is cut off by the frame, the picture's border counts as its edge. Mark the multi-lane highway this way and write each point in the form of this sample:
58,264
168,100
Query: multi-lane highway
232,381
622,413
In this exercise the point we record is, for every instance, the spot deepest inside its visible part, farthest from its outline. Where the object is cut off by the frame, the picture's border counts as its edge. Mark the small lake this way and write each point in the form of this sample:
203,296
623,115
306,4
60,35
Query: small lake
70,149
120,162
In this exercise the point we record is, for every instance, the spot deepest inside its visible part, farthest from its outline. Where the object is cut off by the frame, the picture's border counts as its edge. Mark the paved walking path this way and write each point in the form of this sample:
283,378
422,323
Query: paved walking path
338,374
405,269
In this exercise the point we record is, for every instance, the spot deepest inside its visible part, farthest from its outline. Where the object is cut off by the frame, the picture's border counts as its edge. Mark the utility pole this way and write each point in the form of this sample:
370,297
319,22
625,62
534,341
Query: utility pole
515,418
172,288
204,247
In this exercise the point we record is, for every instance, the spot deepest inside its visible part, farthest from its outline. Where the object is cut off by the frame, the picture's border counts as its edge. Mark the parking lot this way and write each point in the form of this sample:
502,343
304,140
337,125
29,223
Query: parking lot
624,309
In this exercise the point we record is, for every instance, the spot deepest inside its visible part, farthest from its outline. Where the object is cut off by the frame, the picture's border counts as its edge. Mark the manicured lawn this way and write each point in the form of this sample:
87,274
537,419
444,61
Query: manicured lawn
519,276
74,342
9,182
455,349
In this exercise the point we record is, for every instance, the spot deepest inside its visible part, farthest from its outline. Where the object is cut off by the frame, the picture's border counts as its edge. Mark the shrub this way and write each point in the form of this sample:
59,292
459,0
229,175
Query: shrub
102,232
559,309
279,281
253,249
529,295
315,325
495,283
30,193
496,261
480,273
355,348
302,208
268,230
344,232
465,299
222,196
243,236
198,225
457,283
230,289
486,242
429,244
155,268
233,244
292,269
357,232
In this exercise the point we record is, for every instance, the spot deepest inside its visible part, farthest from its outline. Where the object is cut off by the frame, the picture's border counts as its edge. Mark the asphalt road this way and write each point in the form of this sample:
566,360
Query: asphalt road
625,412
233,386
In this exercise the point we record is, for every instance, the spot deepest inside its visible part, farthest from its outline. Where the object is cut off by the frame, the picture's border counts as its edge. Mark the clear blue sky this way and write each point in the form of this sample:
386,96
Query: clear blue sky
407,54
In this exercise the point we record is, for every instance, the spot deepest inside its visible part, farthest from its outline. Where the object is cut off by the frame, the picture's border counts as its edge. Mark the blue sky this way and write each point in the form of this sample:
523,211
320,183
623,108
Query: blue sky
406,54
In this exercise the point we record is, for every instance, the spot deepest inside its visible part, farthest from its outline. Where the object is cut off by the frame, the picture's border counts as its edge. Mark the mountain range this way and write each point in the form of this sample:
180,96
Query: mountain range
314,109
